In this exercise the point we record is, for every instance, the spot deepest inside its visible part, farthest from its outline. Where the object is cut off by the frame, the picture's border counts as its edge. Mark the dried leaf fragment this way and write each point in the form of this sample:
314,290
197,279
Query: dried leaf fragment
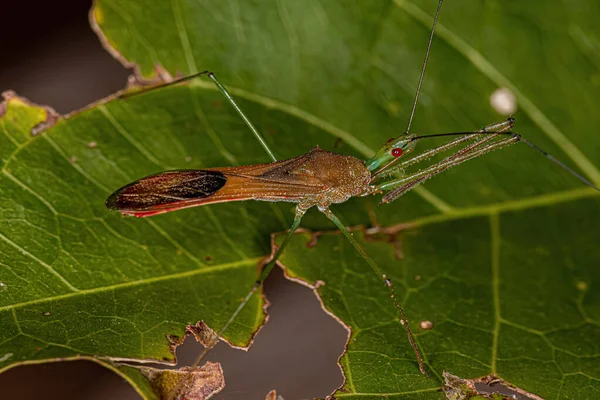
457,388
203,334
272,395
487,387
186,383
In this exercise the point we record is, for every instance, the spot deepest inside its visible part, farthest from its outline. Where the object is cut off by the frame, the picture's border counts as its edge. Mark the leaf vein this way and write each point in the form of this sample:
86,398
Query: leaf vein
41,262
128,137
183,36
177,275
495,266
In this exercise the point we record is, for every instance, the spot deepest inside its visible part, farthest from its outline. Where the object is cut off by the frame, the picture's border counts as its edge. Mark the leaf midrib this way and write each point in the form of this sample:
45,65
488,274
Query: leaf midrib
247,262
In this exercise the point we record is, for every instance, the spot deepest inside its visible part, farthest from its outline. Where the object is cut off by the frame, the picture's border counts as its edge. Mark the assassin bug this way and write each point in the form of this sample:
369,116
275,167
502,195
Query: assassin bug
318,178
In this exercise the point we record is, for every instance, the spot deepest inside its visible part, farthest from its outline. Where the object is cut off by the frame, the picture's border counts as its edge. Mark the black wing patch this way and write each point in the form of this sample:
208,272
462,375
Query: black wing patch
166,188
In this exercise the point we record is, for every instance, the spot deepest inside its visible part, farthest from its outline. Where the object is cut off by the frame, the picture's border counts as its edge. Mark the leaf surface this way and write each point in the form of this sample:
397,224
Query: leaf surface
505,246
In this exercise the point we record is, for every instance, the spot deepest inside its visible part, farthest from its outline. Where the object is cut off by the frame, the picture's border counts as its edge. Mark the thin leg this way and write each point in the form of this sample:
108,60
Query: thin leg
492,132
421,157
225,93
498,127
440,149
387,281
447,163
456,158
264,274
448,160
246,120
267,268
409,182
175,81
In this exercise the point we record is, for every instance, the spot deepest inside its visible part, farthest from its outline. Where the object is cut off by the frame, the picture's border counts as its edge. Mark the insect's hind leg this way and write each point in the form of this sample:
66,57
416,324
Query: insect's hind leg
264,274
255,131
173,82
225,93
386,281
267,268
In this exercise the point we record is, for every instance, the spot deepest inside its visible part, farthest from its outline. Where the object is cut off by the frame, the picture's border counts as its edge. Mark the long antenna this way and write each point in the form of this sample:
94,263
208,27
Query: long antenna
414,107
557,162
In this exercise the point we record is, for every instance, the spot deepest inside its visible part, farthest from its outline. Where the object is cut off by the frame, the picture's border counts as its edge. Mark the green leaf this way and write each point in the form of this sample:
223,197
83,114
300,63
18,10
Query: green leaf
504,245
504,297
77,279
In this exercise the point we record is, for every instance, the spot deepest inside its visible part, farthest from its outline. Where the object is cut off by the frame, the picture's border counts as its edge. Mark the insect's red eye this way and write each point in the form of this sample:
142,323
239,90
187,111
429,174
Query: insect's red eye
396,152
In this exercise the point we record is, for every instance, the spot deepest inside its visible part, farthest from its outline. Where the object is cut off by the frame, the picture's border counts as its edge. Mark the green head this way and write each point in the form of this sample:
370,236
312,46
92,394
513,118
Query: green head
390,153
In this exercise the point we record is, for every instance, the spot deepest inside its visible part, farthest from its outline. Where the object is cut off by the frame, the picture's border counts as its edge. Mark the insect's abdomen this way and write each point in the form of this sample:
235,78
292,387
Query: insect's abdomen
166,189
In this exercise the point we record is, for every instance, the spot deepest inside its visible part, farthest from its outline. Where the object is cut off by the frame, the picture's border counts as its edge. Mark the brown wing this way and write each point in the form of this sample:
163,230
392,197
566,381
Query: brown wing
174,190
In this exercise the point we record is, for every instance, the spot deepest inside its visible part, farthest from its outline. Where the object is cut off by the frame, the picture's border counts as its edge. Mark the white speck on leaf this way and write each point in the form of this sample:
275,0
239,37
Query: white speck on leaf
504,101
6,357
426,325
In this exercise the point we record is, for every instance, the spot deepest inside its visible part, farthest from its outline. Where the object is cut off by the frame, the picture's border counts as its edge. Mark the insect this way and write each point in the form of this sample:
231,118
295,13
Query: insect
319,179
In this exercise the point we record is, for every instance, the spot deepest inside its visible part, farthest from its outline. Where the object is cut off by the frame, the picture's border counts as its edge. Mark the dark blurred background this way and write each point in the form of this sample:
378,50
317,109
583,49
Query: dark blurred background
51,56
